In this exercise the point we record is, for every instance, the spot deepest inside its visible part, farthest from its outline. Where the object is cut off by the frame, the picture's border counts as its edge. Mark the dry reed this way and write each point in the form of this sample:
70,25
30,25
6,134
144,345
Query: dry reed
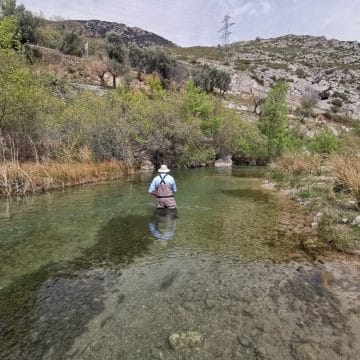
346,170
26,178
297,164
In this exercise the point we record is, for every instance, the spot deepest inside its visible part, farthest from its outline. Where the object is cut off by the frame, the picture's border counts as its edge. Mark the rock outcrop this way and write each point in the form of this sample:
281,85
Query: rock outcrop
327,71
99,29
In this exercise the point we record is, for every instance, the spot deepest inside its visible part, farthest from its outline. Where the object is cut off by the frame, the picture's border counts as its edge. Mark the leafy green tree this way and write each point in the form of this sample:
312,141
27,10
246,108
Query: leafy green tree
117,69
99,68
28,25
118,55
157,61
7,8
152,60
20,96
273,123
70,44
223,81
48,36
9,35
137,58
197,103
209,78
116,49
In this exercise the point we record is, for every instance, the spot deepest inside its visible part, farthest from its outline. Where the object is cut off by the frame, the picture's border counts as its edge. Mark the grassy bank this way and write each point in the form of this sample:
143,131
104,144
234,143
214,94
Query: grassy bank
18,179
329,187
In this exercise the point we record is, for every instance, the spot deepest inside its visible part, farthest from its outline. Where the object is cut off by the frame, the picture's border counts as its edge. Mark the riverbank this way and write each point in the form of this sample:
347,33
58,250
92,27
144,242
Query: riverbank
20,179
329,188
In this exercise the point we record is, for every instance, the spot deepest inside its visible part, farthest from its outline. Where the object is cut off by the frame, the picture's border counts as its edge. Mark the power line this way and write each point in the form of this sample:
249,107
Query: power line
225,29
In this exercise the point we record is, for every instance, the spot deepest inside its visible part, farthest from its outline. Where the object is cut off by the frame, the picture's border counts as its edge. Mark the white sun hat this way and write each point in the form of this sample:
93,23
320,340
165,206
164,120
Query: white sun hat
163,169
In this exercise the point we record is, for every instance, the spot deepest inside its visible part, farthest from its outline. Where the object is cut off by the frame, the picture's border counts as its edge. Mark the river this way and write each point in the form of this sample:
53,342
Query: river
94,273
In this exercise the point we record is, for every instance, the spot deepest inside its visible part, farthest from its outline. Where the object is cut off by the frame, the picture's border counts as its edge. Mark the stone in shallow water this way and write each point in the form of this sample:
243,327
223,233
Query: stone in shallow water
157,354
244,341
185,339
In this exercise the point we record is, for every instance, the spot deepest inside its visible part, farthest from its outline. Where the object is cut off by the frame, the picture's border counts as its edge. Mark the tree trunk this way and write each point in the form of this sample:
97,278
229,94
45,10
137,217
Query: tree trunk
114,81
102,81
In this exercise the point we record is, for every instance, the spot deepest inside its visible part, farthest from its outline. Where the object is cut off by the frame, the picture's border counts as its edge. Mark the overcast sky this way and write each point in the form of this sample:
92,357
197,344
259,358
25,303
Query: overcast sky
196,22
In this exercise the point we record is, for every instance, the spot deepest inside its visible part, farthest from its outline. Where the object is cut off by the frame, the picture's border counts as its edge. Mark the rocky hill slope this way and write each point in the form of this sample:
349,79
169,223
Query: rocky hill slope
326,70
99,29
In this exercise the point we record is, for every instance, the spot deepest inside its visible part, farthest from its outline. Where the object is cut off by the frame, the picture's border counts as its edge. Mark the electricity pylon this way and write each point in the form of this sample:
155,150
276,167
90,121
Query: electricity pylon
225,30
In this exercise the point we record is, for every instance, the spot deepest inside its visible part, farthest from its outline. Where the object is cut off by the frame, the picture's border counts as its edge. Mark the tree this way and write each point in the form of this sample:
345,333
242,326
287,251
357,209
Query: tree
208,78
118,55
9,35
136,58
116,48
27,23
70,44
153,60
99,68
116,69
306,107
223,81
273,122
7,8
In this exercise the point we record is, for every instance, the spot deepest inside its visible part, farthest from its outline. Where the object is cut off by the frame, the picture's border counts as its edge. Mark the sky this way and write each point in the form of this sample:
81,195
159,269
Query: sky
196,22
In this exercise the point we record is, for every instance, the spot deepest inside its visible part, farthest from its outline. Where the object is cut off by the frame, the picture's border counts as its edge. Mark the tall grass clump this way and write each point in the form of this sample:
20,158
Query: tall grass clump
28,178
297,164
324,143
346,170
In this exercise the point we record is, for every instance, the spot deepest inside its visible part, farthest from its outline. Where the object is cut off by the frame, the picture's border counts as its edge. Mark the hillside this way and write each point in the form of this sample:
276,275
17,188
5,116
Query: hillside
99,29
328,70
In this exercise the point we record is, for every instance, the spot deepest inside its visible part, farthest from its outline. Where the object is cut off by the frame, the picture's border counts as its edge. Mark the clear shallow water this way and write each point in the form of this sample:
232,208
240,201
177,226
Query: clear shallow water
92,272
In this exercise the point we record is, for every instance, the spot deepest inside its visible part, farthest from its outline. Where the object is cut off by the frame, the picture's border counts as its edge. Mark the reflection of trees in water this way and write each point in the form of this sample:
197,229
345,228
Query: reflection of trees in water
163,224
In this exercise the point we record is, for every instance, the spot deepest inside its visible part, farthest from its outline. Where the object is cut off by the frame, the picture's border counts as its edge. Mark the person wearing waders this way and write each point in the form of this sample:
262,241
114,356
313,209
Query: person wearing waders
163,187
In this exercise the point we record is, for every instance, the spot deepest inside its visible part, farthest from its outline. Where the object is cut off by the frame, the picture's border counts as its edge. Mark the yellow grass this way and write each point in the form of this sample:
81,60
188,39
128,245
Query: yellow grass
21,179
297,164
346,170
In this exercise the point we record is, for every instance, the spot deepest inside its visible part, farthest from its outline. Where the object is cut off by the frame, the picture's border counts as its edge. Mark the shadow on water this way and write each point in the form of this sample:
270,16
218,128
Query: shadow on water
43,312
119,241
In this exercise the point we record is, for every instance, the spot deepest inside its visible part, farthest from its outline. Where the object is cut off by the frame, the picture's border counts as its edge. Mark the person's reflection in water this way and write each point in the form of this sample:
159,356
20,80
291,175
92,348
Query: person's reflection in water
163,224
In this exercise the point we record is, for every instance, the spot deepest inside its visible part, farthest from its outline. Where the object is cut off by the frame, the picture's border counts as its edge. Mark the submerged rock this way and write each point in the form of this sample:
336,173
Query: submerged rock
244,341
224,161
185,339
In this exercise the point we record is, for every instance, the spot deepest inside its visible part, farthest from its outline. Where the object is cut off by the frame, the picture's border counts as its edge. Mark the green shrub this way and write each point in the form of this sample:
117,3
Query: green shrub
273,122
301,74
71,44
341,96
337,102
324,143
242,64
208,78
9,33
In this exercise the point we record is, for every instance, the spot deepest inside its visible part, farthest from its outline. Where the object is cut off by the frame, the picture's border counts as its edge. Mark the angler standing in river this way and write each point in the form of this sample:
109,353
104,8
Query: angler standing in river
163,187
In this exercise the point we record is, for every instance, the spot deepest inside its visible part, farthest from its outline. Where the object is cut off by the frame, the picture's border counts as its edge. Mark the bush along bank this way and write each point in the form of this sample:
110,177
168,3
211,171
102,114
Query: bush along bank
329,187
184,127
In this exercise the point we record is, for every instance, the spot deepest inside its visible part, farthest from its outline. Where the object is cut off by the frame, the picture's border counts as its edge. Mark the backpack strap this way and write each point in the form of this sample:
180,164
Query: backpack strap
163,179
